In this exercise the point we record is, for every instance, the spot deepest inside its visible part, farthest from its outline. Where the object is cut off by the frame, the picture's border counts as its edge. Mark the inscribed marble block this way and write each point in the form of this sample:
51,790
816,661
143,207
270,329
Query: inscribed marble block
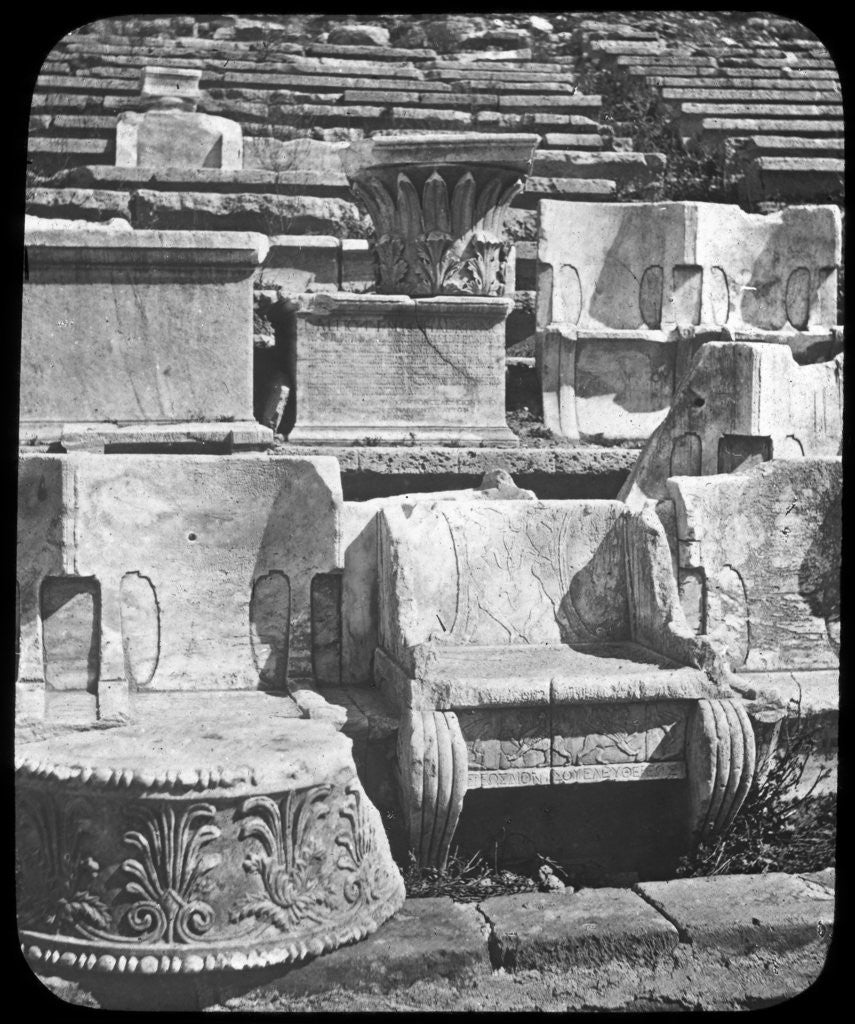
742,402
143,327
766,544
178,138
390,368
173,572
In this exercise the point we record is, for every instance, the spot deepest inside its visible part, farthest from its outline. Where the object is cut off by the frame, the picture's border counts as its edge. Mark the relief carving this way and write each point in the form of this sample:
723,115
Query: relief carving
169,873
444,239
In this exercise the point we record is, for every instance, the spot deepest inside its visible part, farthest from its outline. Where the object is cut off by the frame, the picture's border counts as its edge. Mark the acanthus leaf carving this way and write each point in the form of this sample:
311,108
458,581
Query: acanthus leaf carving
428,244
168,875
59,895
291,866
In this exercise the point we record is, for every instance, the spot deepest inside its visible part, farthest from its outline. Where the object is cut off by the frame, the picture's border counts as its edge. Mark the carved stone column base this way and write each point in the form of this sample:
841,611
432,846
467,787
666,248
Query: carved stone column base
138,852
432,760
721,759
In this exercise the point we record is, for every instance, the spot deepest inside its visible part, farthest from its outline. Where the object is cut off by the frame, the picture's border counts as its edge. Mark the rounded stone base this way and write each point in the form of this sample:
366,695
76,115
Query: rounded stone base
224,843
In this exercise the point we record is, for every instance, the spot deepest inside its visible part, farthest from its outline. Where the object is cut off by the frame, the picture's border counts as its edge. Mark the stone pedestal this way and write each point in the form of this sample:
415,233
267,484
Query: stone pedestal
225,843
143,329
393,369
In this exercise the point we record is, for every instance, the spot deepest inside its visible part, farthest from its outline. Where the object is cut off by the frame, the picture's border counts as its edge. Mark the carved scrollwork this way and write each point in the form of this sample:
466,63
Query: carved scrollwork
443,240
292,866
169,874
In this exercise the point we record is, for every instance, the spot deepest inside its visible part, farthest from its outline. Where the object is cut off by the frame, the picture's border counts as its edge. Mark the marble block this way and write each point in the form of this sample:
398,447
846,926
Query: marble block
177,138
740,403
631,266
137,328
175,572
389,368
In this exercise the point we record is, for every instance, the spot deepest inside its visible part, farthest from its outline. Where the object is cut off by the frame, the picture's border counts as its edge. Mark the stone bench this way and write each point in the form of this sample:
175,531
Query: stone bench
543,643
793,178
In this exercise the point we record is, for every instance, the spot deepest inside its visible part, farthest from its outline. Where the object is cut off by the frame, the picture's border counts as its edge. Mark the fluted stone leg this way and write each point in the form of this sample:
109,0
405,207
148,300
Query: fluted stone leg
721,760
433,765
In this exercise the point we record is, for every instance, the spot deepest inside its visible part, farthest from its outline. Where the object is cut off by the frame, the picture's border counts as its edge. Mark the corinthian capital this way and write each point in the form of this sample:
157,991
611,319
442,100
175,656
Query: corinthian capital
438,205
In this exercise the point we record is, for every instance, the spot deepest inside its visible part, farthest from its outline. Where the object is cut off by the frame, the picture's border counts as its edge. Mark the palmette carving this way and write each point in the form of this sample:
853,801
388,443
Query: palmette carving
239,881
291,868
443,240
169,874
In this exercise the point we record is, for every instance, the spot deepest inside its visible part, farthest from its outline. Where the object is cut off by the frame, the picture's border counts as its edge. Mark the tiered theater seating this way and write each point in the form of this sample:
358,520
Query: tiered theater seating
720,96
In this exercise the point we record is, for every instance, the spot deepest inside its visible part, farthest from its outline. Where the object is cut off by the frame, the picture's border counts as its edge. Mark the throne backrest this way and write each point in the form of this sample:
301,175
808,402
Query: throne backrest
759,557
500,573
630,266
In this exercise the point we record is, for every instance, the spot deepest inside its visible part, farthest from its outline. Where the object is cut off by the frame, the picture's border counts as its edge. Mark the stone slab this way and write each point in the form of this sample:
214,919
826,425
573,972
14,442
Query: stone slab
267,213
741,913
215,593
302,263
432,937
575,929
79,203
149,326
435,370
793,177
636,168
764,97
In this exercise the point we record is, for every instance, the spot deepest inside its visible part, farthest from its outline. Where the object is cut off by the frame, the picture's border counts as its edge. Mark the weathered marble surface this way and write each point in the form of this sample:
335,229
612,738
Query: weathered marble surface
178,138
766,543
741,403
395,369
631,266
137,327
176,572
203,840
628,292
438,203
360,581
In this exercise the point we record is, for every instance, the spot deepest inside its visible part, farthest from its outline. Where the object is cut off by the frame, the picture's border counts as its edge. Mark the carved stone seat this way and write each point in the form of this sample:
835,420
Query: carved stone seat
543,643
222,838
759,569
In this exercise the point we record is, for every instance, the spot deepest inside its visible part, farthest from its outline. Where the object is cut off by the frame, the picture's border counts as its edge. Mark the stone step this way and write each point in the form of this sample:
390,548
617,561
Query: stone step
760,109
206,179
787,145
383,53
793,178
267,213
522,75
171,45
75,84
577,189
492,101
624,168
561,64
48,155
714,131
764,96
569,140
782,85
667,60
817,63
